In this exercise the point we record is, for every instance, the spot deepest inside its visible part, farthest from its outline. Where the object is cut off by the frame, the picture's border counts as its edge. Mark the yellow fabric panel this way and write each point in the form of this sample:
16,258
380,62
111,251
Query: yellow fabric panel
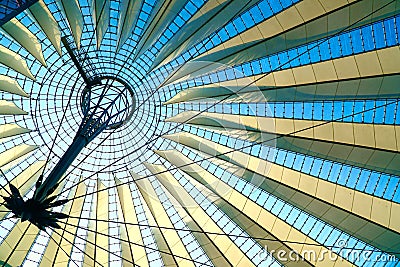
295,26
300,84
171,237
27,240
8,130
364,145
243,204
132,230
102,255
53,253
9,108
101,17
128,17
166,255
47,23
15,153
75,19
163,13
203,23
89,248
70,230
204,240
25,38
235,256
19,241
367,135
331,202
15,62
11,86
308,11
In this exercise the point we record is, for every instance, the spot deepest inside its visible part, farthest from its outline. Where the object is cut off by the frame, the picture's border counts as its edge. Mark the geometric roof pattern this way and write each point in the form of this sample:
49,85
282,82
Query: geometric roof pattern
260,132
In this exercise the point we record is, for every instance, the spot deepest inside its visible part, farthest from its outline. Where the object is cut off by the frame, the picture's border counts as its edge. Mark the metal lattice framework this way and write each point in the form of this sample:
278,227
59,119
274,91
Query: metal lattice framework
214,133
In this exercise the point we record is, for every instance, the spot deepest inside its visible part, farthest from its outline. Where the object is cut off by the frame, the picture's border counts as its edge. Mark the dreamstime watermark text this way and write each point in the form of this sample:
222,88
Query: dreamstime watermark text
342,252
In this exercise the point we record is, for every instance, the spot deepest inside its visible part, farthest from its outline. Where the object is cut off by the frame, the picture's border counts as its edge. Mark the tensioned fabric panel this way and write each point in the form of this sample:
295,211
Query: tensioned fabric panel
263,238
305,22
171,238
129,229
101,17
61,241
364,145
205,22
8,130
164,11
24,37
369,218
9,108
101,225
370,64
127,19
231,251
47,23
15,153
75,19
14,61
235,205
212,250
9,85
166,255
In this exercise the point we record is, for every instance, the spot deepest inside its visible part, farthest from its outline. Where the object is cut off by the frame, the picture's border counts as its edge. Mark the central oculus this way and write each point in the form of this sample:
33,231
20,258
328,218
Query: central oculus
112,99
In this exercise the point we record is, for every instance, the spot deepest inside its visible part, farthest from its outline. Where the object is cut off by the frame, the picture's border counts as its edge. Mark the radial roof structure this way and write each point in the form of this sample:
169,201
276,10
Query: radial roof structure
200,133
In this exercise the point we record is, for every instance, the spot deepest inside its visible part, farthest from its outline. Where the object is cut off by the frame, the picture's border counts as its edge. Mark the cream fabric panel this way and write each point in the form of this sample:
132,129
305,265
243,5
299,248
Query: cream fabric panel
371,146
203,23
15,62
288,29
235,256
166,254
14,153
11,86
70,230
101,18
239,205
9,108
47,23
74,16
342,89
374,63
324,199
131,231
243,221
368,232
8,130
54,255
350,133
96,246
24,181
128,17
17,243
89,251
163,13
171,237
212,251
102,241
25,38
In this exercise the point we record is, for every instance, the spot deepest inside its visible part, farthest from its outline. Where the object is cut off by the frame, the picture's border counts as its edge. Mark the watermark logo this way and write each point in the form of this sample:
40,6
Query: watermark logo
342,252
